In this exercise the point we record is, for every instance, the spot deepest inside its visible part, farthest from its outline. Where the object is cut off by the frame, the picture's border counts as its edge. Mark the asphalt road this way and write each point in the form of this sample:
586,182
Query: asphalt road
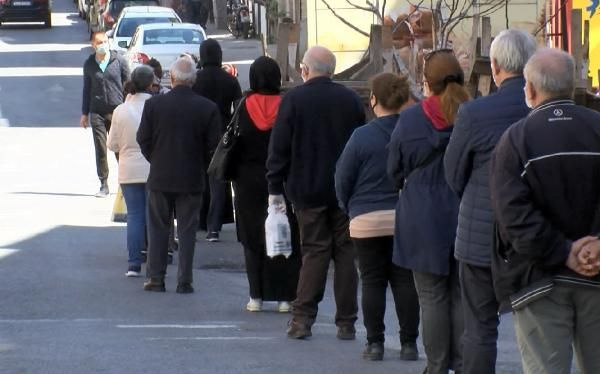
66,306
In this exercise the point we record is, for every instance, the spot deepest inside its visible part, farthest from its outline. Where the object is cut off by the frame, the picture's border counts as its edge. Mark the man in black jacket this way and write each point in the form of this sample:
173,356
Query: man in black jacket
223,89
177,133
104,74
479,126
313,125
545,178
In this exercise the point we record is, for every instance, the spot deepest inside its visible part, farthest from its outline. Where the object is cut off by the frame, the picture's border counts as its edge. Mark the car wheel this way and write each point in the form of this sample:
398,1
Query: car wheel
48,21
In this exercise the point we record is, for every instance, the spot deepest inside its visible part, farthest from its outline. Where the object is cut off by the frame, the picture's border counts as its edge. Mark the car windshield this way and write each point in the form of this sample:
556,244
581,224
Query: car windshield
128,25
173,36
116,6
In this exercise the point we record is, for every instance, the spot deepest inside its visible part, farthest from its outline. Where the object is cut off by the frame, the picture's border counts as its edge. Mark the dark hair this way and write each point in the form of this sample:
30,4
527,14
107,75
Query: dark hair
446,79
142,77
128,88
391,90
156,66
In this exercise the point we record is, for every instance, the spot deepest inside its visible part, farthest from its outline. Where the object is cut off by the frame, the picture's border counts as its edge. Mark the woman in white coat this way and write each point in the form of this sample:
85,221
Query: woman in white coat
133,167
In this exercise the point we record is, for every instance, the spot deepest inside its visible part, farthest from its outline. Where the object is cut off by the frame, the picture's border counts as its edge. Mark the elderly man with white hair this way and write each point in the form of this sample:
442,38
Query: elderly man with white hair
314,123
479,126
545,178
178,132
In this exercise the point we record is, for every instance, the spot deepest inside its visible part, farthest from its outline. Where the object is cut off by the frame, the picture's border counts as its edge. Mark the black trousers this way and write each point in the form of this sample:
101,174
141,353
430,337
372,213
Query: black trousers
480,310
198,12
161,206
100,124
376,272
324,236
442,319
216,209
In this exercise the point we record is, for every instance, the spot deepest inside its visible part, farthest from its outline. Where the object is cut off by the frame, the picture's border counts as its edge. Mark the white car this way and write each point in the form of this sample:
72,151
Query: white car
132,17
164,42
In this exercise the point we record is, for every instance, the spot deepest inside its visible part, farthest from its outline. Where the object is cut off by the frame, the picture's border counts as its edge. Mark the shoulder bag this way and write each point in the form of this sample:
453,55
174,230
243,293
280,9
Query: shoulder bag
222,163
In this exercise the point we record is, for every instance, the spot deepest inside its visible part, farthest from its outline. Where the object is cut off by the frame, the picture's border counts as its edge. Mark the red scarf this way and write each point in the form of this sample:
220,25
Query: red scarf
262,110
433,110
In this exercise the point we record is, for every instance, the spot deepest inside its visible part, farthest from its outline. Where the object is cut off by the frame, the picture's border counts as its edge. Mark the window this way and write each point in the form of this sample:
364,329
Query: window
128,25
173,36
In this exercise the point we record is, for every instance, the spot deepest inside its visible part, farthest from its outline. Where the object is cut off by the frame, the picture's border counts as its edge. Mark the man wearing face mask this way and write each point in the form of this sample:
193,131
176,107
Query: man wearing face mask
104,75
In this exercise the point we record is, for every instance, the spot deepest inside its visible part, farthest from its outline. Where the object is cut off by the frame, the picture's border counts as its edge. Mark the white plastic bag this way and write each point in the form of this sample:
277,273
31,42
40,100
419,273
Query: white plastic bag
277,232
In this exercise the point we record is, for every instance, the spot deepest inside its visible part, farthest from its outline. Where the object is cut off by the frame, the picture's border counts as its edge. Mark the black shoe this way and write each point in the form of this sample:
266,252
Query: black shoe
170,258
144,256
409,352
103,190
155,284
346,332
184,288
298,330
212,237
374,351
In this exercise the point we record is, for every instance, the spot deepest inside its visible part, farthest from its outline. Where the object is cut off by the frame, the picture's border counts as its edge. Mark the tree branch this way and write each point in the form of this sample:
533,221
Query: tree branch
562,5
344,21
366,9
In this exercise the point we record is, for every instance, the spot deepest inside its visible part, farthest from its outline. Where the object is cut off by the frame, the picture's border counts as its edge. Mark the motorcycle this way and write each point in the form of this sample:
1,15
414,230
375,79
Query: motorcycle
238,19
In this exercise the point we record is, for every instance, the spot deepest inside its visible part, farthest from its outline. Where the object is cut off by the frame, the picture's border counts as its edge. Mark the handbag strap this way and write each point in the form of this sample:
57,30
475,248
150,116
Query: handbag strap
234,124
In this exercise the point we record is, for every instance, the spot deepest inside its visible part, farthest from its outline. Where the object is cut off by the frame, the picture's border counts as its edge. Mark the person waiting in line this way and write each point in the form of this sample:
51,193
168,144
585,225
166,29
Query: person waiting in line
215,84
270,279
104,75
479,125
157,87
427,211
369,197
133,167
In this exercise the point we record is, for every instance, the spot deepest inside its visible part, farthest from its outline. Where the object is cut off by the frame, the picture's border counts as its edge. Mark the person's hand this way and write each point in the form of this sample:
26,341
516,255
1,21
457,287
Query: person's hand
84,121
278,201
589,258
581,267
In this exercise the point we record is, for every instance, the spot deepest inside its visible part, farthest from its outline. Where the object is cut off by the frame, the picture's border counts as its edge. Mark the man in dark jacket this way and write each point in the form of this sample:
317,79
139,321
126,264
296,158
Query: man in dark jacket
545,178
313,125
104,74
479,126
223,89
177,133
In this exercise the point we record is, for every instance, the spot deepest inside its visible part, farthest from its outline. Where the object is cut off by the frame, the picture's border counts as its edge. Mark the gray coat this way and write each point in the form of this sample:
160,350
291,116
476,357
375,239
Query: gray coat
478,128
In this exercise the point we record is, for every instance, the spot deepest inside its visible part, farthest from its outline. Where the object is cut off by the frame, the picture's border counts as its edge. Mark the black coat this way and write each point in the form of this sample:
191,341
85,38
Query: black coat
177,133
314,123
220,87
427,211
478,127
545,178
103,91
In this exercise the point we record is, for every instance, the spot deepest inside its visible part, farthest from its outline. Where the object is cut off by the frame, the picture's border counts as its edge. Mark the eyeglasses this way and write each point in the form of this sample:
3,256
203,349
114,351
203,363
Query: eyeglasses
432,53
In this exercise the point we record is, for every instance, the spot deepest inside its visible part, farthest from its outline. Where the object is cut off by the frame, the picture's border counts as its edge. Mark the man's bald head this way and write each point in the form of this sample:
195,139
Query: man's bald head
319,61
551,72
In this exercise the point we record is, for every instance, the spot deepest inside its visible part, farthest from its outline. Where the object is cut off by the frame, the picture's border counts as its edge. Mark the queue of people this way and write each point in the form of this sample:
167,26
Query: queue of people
466,208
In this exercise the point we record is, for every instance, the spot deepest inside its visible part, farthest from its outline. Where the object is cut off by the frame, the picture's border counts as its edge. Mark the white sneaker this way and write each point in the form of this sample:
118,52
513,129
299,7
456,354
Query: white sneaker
133,274
254,305
284,307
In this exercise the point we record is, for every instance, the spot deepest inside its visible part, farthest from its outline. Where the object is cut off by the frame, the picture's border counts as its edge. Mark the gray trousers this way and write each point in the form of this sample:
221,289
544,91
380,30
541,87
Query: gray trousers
549,328
442,320
161,206
100,127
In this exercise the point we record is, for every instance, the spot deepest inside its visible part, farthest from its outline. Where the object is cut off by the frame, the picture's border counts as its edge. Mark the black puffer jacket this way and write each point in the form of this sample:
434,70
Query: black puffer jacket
479,126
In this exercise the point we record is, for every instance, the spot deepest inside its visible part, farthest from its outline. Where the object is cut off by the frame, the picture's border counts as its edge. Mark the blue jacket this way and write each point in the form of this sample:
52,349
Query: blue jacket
479,126
361,181
427,211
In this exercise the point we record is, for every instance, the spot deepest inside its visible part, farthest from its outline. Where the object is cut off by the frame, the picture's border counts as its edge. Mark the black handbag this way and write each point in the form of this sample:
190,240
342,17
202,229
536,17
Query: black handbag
222,163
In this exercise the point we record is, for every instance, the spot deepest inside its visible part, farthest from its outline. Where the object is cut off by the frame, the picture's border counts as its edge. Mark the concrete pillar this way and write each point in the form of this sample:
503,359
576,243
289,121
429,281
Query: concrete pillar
220,12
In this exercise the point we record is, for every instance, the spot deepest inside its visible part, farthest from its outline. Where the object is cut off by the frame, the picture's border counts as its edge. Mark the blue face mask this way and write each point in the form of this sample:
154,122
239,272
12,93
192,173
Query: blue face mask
102,48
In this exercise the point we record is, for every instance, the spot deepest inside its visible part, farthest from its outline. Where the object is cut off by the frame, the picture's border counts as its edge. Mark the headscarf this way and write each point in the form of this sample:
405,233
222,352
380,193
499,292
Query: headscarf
211,53
265,76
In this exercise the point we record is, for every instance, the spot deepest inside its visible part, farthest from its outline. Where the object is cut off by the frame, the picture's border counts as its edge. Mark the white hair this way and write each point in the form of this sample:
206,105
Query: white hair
320,61
552,72
183,71
511,50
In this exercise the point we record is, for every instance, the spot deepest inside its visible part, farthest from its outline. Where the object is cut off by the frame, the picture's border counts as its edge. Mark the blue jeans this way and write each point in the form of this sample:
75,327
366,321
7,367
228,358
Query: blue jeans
135,199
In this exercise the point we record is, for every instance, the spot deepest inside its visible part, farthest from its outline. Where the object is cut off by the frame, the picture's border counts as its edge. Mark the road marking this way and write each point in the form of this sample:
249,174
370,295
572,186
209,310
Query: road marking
40,72
41,47
239,62
48,320
213,338
177,326
5,252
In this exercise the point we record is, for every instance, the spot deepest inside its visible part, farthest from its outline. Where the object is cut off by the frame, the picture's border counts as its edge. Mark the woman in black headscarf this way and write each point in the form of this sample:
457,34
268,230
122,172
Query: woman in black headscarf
270,279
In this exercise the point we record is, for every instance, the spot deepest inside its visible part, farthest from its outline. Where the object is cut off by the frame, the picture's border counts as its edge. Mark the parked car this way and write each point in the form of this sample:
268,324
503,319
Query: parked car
26,11
165,42
132,17
114,8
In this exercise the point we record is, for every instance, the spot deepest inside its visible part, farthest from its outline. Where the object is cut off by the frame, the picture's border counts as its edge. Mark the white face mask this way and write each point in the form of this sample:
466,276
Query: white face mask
102,48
